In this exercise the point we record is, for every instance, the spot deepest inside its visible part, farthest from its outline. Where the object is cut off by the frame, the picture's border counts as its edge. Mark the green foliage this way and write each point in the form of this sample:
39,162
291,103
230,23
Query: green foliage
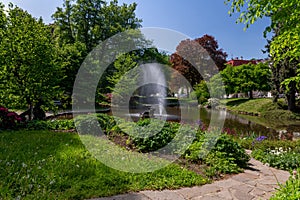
290,190
227,156
28,72
90,124
284,47
152,136
50,125
216,86
220,163
246,78
79,26
280,154
201,92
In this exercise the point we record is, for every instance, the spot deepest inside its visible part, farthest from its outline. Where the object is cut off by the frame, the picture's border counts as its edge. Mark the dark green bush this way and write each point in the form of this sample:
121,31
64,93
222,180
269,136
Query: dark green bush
227,156
150,135
232,149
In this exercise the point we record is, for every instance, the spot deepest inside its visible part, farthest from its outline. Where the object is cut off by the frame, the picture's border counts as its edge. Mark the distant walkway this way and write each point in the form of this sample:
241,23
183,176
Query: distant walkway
258,182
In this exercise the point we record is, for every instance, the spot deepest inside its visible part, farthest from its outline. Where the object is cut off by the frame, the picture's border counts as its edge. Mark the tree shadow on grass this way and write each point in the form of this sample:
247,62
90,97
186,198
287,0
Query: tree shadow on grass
237,102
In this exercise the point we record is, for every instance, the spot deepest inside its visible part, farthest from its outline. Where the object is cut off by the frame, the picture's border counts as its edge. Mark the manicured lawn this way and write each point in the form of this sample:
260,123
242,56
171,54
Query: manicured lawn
54,165
263,107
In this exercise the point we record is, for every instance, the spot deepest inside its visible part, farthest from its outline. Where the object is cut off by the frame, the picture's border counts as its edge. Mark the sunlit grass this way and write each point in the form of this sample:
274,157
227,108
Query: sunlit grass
52,165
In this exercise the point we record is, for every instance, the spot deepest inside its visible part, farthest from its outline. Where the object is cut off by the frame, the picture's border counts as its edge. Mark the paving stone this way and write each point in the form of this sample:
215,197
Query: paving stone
268,181
162,195
258,192
242,195
131,196
227,183
266,188
199,191
243,188
225,194
253,172
189,193
208,198
245,177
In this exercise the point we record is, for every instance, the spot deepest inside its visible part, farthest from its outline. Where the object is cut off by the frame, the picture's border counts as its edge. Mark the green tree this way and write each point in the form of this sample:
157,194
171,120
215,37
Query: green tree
247,78
201,91
284,48
80,25
29,75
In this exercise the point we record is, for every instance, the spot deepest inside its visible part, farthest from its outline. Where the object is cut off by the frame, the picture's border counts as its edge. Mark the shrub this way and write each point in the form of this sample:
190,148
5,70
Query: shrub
8,120
149,134
213,102
227,156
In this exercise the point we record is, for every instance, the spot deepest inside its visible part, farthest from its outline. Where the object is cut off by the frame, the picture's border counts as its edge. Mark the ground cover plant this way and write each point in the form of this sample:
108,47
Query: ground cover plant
48,164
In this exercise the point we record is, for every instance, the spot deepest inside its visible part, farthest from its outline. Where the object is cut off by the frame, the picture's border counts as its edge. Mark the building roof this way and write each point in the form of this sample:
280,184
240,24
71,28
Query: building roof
237,62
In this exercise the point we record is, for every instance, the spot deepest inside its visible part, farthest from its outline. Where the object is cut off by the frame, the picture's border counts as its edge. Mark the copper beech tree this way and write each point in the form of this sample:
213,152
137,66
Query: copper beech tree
190,58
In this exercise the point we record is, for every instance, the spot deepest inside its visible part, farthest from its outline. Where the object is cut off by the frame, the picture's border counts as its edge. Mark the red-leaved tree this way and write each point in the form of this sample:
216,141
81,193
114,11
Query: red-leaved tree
201,54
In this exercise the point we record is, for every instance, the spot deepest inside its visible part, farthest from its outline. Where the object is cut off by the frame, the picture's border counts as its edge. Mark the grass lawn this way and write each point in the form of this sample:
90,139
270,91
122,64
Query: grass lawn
263,107
53,165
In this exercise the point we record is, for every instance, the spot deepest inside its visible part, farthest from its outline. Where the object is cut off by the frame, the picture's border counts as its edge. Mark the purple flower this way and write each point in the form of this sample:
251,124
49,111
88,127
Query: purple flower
261,138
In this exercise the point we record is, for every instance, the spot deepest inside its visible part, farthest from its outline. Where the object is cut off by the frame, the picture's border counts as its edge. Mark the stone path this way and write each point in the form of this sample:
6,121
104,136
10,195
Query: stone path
258,182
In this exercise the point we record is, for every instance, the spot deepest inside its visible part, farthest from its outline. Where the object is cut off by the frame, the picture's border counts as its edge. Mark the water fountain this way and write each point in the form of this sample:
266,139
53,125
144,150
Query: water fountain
144,96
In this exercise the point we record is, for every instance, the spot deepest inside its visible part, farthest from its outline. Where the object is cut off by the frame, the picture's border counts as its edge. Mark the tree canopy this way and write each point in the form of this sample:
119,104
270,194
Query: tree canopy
199,57
284,48
28,72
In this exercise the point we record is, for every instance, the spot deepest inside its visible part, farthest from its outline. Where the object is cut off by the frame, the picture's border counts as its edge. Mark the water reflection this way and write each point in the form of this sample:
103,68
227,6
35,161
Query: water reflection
244,126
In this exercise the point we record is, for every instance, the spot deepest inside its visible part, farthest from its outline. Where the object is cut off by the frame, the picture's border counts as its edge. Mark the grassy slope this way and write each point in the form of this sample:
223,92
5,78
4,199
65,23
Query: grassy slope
264,107
51,165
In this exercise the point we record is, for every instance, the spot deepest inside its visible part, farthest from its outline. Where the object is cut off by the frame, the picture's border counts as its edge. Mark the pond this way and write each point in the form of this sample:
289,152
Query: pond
243,125
248,125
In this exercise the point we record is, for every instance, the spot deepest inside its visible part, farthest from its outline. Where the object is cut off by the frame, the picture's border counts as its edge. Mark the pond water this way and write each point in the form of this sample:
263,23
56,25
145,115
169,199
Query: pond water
242,125
248,125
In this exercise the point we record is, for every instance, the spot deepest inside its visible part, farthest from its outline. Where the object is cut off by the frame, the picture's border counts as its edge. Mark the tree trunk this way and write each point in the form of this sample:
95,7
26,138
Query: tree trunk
30,114
250,94
291,98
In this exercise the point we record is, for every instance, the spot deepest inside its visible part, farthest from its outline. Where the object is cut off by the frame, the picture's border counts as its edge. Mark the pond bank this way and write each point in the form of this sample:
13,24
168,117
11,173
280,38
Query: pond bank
263,107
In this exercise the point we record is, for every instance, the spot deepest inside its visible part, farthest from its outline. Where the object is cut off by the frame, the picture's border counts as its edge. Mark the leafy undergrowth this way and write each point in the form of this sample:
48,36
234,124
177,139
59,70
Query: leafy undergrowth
263,107
290,190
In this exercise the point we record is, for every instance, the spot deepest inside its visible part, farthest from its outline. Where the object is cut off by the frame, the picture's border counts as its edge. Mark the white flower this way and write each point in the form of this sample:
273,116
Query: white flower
24,165
52,182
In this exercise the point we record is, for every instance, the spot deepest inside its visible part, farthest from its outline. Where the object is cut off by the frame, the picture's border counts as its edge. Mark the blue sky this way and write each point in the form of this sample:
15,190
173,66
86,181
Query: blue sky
193,18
